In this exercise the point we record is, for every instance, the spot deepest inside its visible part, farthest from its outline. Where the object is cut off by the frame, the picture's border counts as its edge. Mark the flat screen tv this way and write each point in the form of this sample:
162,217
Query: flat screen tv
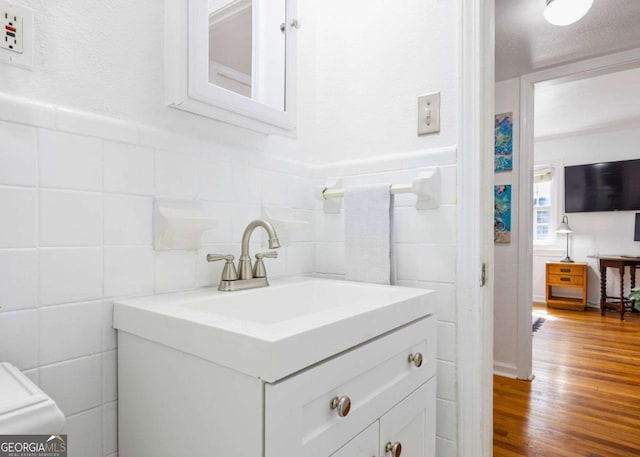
606,186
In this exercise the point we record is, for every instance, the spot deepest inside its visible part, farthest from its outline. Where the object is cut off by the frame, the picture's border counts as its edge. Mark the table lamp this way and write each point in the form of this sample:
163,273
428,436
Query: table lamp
564,228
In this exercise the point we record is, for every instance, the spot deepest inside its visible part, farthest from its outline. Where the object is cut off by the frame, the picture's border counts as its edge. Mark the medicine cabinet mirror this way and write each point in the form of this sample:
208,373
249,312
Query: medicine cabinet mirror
233,60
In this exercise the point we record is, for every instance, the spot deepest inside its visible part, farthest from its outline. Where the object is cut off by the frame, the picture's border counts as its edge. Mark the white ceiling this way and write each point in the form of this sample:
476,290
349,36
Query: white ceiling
603,102
525,43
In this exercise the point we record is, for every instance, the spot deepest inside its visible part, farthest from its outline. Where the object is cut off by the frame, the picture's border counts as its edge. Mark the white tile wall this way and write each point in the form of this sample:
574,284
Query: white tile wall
109,376
85,433
128,270
18,155
76,200
68,161
175,174
18,279
78,191
69,331
69,275
70,218
128,169
175,270
75,385
18,338
18,213
110,428
127,220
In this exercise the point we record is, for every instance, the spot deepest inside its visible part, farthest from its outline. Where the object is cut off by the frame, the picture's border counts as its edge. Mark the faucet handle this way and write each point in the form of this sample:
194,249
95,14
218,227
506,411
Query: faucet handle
216,257
270,255
259,271
229,272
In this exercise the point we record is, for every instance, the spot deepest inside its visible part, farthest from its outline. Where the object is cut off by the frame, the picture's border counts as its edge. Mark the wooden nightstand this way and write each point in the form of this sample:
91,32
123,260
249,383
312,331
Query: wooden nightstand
571,275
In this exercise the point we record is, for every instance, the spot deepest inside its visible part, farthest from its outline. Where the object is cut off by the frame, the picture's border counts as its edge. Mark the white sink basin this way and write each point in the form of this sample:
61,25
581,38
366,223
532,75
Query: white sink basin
275,331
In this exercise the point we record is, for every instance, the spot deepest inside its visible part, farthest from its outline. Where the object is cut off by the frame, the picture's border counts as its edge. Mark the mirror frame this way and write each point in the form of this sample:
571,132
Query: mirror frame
187,72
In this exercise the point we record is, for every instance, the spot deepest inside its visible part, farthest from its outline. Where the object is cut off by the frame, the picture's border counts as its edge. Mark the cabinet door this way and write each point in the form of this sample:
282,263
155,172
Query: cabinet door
363,445
412,424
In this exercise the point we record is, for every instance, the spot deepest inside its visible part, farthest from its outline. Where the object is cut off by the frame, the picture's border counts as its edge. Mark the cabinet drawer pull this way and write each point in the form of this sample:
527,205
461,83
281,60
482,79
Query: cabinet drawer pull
416,359
342,405
565,279
565,270
395,449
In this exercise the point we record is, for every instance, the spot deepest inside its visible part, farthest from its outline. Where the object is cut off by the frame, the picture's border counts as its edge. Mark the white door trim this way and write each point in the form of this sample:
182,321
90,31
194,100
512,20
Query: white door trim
556,75
475,229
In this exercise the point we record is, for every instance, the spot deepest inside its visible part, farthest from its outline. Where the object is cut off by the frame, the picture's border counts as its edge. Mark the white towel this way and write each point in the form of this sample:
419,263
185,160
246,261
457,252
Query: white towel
368,221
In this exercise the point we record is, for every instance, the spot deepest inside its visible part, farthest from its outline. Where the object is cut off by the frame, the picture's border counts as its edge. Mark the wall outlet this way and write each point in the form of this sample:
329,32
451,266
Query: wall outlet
12,30
16,34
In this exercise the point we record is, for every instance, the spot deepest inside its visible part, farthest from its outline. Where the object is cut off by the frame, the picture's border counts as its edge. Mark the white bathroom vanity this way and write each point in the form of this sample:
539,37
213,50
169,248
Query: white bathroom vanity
306,367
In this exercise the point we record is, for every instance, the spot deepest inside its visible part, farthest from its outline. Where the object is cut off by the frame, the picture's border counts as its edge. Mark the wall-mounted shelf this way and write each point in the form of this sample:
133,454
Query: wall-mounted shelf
179,224
283,222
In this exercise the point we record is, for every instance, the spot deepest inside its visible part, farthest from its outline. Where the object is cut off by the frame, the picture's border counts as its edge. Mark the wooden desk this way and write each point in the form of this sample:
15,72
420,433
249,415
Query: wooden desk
564,274
620,303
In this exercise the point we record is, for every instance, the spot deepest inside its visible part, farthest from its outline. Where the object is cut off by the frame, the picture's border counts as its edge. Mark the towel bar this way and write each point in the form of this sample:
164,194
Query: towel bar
426,187
328,193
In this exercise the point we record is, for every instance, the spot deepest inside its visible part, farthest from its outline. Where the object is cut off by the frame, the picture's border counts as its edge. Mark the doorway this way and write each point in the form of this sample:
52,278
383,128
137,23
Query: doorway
555,77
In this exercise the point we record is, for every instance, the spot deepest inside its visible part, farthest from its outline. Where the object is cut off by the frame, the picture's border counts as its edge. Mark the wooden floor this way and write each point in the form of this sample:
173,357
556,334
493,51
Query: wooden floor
585,398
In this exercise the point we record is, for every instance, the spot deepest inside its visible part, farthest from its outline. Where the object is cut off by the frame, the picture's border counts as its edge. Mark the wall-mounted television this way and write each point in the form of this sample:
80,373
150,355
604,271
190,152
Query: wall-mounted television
606,186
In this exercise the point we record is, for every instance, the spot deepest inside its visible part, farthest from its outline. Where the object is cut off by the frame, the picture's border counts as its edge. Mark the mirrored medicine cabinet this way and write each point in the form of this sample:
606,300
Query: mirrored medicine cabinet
234,61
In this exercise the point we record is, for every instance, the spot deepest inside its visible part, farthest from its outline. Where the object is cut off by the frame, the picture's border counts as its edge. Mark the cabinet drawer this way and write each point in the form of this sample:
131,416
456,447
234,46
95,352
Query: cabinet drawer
565,280
566,269
299,419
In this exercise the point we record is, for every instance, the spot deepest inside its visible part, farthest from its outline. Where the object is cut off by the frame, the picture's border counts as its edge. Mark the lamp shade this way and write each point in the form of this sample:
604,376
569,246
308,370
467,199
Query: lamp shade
564,226
565,12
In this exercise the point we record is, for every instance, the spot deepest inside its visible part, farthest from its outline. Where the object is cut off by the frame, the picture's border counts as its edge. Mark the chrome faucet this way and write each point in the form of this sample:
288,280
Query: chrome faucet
247,277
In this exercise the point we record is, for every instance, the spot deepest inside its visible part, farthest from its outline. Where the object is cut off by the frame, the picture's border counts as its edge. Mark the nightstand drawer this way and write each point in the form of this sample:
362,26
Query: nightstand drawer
565,280
566,270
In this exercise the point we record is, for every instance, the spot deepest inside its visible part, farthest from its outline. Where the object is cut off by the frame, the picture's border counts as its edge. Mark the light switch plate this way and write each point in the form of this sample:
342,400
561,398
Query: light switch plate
429,113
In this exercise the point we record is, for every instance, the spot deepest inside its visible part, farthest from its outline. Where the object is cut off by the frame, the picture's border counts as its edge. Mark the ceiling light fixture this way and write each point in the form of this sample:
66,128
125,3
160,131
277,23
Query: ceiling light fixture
565,12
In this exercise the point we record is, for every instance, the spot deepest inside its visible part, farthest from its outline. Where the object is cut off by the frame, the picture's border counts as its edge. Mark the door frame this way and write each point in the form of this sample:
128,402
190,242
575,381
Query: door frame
474,294
557,75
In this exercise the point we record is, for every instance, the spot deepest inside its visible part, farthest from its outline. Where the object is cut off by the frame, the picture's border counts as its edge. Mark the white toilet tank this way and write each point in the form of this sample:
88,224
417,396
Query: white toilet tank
24,408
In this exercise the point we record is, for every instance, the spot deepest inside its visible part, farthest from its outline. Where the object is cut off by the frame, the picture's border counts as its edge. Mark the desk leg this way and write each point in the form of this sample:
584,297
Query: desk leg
603,287
622,292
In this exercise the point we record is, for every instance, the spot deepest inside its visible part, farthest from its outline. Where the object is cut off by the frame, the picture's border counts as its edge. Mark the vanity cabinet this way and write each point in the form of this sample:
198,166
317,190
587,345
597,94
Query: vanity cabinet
174,403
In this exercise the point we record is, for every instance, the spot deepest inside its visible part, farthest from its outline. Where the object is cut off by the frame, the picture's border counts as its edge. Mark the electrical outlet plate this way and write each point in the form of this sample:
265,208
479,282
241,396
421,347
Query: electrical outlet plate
16,40
429,113
11,27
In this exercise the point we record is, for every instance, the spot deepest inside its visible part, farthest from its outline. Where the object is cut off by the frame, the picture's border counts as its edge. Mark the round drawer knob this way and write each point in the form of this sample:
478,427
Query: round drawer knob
342,405
416,359
395,449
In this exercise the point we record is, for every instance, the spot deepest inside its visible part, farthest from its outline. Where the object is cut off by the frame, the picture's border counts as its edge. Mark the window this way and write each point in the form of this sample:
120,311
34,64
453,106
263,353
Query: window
544,204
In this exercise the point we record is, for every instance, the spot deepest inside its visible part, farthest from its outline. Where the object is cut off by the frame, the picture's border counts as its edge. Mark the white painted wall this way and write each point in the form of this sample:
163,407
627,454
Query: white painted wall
593,233
373,60
507,98
86,142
